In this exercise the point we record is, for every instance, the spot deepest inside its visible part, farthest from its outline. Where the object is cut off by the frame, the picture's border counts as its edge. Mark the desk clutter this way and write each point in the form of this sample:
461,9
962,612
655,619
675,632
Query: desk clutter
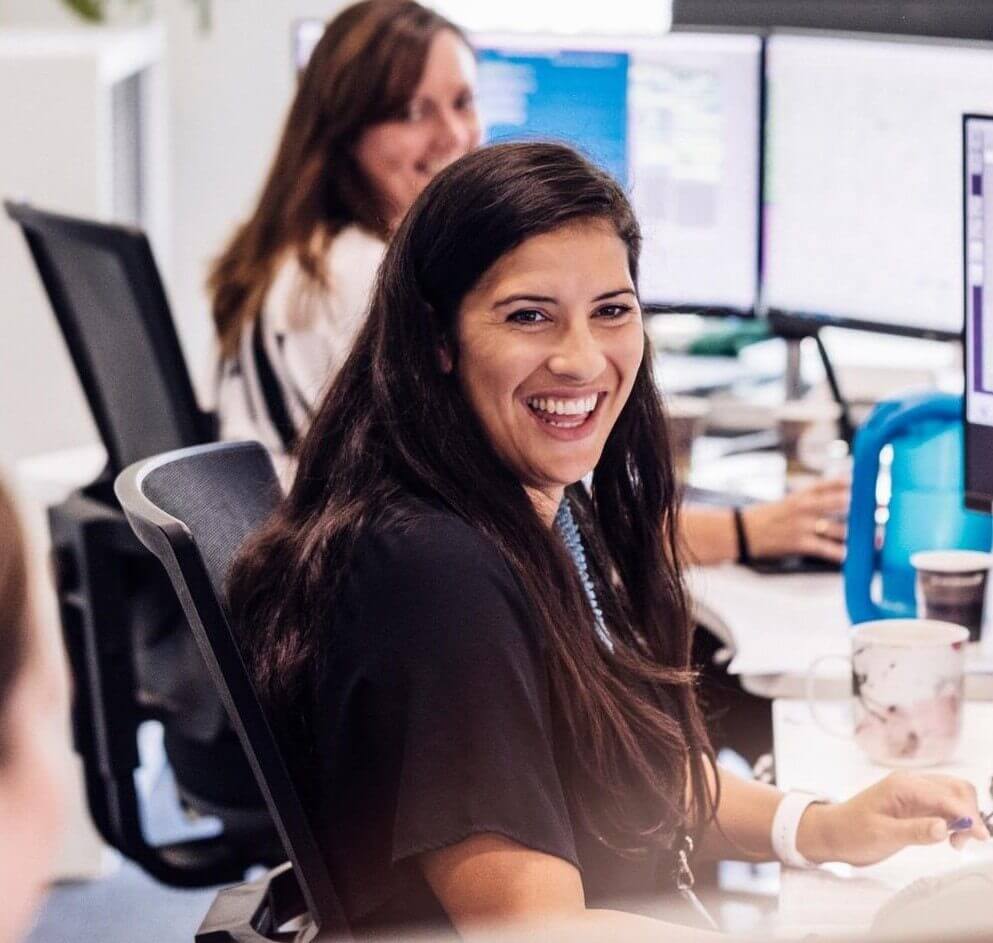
852,706
922,492
907,502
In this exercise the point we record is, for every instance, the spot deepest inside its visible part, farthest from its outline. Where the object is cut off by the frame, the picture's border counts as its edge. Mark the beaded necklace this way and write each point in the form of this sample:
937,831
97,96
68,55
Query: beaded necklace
568,530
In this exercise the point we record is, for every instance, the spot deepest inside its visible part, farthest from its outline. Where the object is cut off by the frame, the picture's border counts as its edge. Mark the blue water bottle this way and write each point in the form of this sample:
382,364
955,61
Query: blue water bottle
925,510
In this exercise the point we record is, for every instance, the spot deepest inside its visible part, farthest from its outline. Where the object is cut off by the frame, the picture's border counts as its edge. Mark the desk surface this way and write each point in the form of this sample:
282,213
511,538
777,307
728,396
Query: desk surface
774,624
777,625
840,897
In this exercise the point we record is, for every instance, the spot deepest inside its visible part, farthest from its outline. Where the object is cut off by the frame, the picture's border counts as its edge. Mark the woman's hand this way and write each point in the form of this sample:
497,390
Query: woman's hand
809,521
902,809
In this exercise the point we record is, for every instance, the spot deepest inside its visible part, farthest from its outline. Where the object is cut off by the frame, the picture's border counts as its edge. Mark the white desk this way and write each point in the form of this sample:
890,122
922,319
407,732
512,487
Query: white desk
838,898
775,626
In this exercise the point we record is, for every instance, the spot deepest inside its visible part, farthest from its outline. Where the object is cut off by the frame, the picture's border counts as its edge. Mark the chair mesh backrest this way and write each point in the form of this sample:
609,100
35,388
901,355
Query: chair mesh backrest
221,496
221,493
105,289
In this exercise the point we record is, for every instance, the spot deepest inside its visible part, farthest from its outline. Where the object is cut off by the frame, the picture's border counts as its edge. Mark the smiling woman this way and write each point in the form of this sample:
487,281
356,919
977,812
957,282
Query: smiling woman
459,688
480,669
548,353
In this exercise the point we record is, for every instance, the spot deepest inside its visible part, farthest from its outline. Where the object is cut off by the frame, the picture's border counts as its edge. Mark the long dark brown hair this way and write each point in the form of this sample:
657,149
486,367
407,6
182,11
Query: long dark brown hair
13,611
630,738
363,71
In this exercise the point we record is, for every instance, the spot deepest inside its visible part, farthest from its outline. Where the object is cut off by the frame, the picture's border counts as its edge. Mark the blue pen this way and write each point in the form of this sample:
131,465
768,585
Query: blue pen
960,825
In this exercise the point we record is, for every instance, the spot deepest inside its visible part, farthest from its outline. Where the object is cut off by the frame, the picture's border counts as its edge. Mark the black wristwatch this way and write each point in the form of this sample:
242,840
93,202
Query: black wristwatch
744,556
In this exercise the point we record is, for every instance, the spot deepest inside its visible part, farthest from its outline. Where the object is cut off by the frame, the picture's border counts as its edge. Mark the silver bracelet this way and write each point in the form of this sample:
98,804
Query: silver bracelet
786,824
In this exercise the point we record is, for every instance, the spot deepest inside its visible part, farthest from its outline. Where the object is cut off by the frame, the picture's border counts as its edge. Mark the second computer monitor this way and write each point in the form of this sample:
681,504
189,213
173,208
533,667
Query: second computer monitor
977,202
675,119
863,215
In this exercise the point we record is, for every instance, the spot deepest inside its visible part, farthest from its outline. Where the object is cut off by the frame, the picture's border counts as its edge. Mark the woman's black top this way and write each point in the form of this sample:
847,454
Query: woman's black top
433,724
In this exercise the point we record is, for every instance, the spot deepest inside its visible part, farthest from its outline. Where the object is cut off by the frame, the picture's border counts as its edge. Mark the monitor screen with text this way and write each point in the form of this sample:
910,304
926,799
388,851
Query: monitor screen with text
977,201
862,208
676,120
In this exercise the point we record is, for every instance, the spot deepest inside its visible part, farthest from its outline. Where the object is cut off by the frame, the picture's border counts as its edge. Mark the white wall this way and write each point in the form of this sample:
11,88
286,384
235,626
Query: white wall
57,121
35,13
41,404
631,17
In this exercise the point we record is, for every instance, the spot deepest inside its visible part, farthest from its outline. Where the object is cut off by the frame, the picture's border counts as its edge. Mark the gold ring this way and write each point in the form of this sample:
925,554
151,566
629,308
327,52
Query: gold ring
821,526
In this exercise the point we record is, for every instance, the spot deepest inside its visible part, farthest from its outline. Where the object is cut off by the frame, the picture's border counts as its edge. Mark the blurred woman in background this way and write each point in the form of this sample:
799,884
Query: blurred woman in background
33,751
385,102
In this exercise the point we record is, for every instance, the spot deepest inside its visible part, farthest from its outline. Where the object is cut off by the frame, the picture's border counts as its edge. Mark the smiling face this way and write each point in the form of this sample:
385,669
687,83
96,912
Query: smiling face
549,344
400,157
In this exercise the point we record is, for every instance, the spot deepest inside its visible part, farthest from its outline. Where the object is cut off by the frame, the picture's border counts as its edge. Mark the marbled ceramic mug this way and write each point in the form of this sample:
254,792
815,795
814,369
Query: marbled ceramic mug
907,680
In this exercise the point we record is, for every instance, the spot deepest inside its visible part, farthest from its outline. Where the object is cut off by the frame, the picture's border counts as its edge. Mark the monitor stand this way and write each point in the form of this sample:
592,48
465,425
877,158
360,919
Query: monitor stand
793,380
794,331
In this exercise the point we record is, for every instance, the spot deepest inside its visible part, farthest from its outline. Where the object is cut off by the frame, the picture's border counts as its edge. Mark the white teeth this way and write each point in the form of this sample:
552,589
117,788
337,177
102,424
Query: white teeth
564,407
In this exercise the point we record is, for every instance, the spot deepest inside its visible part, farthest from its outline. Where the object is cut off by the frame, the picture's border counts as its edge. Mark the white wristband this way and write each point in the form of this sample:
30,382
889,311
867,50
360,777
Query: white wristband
786,823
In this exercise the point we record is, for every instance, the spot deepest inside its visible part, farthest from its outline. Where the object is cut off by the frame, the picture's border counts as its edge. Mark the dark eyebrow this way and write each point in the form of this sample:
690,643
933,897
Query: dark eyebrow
614,294
511,299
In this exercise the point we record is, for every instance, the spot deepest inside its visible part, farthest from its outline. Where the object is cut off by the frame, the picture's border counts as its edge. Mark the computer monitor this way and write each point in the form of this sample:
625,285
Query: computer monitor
861,213
676,119
977,202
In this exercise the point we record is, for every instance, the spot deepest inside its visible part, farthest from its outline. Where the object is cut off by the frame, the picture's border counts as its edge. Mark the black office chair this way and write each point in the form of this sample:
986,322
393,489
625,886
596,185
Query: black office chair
132,657
193,508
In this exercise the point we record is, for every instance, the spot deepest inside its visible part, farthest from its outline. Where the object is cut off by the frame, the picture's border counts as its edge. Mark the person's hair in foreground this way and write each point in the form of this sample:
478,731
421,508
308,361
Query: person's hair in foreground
362,72
396,424
33,746
13,616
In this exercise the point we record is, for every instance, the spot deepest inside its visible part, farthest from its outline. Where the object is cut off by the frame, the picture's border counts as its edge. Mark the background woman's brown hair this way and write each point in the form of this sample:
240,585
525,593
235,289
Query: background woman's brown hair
364,71
13,610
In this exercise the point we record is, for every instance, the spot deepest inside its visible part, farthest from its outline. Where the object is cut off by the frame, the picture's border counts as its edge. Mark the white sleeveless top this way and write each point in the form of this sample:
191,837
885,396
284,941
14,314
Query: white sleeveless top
286,359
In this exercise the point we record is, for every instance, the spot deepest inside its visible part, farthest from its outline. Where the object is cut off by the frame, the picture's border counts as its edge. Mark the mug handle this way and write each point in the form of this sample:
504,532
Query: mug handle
844,732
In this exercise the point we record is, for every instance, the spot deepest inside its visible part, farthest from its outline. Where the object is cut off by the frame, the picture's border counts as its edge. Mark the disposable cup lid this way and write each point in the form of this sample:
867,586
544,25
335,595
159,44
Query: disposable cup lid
951,561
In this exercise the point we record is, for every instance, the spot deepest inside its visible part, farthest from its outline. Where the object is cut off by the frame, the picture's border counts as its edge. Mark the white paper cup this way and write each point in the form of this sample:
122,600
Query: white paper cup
951,586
